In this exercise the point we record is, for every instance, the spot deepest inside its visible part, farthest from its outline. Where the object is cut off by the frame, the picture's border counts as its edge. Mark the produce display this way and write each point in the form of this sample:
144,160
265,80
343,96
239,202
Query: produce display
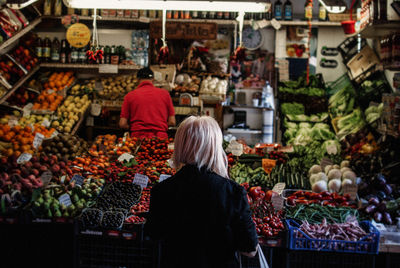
342,102
58,81
324,198
83,88
69,112
47,102
316,214
65,146
115,88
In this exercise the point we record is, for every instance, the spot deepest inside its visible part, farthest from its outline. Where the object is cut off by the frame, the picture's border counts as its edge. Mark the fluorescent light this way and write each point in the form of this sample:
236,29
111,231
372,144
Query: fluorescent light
22,5
232,6
333,9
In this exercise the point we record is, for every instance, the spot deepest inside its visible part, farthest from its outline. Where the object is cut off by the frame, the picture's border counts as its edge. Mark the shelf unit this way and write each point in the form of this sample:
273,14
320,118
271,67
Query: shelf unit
84,66
378,29
21,33
248,107
18,84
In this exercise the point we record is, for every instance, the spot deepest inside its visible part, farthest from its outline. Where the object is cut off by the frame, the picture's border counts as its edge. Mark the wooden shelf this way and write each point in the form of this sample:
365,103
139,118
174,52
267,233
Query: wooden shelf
84,66
18,84
379,29
21,33
247,107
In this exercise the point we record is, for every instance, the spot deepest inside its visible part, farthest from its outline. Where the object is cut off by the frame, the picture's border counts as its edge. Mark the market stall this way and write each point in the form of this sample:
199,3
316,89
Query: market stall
318,153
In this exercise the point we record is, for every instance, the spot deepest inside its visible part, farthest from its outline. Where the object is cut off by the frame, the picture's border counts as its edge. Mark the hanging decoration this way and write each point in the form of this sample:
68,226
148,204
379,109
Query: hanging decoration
240,52
164,51
95,54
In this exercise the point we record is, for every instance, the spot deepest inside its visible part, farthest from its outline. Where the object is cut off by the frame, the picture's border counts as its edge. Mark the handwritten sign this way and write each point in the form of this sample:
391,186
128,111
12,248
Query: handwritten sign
65,199
46,177
184,30
12,122
37,141
46,123
350,189
277,202
163,177
24,157
78,179
141,180
268,164
125,157
279,187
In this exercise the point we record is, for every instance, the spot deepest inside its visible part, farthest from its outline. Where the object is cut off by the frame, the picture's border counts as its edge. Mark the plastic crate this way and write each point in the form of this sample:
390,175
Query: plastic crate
338,84
307,243
310,259
350,47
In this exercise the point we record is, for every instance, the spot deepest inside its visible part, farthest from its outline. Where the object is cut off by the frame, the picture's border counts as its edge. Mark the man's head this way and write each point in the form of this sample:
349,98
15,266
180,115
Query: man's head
145,74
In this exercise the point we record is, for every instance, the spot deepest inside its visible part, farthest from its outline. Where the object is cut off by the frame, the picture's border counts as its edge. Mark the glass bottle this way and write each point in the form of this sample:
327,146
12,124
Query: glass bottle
47,8
46,49
107,55
39,48
322,12
278,10
288,10
55,50
63,51
308,10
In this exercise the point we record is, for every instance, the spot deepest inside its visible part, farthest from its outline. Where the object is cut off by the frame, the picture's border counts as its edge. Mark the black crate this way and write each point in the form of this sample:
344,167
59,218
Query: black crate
119,248
313,259
350,47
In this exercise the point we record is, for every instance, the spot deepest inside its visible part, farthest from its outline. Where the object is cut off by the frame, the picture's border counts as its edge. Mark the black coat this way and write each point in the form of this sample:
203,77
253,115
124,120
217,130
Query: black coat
202,218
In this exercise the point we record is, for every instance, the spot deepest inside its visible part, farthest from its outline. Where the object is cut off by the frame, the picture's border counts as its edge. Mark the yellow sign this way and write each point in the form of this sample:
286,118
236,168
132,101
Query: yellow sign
78,35
268,165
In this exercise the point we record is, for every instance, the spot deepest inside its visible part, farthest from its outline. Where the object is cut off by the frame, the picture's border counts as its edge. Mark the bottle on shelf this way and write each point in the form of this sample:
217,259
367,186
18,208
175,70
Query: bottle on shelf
396,50
322,16
55,50
46,51
175,14
58,8
63,51
278,10
114,55
47,7
71,11
101,61
226,15
107,55
195,14
203,14
308,10
288,10
220,15
74,55
82,55
268,14
39,47
212,15
85,12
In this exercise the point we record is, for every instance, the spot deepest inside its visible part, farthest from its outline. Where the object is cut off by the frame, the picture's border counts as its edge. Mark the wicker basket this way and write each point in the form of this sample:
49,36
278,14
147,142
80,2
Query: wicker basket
340,17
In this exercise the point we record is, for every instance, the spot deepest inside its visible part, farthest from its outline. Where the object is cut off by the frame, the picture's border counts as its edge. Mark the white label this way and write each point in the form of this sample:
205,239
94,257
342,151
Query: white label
62,179
50,91
163,177
279,187
125,156
24,157
171,146
55,133
277,202
12,122
46,177
37,141
170,162
158,76
65,199
126,135
78,179
263,23
350,189
276,24
141,180
46,123
95,109
313,61
108,68
90,121
144,20
26,111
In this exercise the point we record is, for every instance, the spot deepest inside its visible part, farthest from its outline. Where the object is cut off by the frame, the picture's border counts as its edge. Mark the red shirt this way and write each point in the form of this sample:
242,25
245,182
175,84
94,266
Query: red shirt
147,109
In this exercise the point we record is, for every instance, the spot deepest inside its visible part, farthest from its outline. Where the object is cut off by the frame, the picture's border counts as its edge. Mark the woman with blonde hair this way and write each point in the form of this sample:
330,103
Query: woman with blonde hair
201,216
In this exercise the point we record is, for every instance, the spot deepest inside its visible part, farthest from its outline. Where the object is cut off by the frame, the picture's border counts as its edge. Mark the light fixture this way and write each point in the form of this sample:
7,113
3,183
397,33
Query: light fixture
334,6
231,6
21,5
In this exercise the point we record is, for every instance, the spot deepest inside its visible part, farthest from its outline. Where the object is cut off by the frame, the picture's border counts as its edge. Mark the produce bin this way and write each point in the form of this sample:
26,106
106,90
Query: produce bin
368,244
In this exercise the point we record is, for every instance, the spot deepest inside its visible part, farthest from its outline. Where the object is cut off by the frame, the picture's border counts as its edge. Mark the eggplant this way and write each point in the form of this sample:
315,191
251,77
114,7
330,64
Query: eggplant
378,216
387,189
370,209
387,219
382,206
373,201
381,195
380,180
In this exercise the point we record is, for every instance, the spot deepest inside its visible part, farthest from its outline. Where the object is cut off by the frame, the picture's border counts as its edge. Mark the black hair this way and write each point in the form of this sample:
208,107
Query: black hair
145,73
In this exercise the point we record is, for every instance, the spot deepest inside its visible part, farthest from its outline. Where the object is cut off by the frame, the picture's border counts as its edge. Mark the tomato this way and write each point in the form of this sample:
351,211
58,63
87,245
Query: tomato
268,195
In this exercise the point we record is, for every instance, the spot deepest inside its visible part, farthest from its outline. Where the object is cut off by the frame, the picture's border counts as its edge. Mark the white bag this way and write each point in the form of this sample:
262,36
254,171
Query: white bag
261,257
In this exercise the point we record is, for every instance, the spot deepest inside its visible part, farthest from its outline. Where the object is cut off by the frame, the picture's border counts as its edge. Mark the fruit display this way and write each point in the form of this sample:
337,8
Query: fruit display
58,81
118,195
24,57
135,219
110,145
115,88
83,88
324,199
65,146
21,97
112,220
17,140
154,149
185,83
69,112
10,71
47,102
34,119
144,203
91,217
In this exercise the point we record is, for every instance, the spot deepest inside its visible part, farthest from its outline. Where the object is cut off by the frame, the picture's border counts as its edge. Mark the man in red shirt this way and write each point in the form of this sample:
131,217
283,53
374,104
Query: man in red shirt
147,111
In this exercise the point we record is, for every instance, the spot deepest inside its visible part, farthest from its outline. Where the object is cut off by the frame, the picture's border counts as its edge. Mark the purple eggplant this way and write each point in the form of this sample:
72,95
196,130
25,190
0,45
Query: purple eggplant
382,206
378,216
387,219
380,180
387,189
370,209
373,201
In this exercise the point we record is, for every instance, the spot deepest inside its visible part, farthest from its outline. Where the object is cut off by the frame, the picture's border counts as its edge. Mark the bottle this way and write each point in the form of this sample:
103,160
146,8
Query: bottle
288,10
47,8
46,49
85,12
63,51
107,55
186,14
39,48
322,12
195,14
220,15
308,10
71,11
175,14
212,15
55,50
114,55
268,14
278,10
203,15
82,55
226,15
74,55
58,8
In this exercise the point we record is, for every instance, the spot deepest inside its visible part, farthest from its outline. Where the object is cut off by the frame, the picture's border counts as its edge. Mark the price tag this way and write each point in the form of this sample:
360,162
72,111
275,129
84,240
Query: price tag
144,20
141,180
95,109
171,146
126,135
50,91
37,141
24,157
46,177
268,164
78,179
62,179
277,202
26,111
46,123
279,187
125,156
263,23
276,24
163,177
65,199
108,68
170,162
235,148
350,189
90,121
12,122
325,162
158,76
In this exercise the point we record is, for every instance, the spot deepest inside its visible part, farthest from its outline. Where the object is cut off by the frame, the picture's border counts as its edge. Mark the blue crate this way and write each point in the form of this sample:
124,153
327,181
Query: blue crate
306,243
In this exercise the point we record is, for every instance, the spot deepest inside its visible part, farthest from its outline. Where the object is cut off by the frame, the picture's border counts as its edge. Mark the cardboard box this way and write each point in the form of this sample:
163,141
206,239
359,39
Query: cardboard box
362,61
164,75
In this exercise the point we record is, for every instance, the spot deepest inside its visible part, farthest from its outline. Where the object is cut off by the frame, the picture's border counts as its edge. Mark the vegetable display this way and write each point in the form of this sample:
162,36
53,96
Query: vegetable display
342,102
324,199
315,213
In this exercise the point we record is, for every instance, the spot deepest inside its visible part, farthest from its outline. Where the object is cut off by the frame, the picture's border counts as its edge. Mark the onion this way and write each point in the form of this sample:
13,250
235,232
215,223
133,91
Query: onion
334,185
320,186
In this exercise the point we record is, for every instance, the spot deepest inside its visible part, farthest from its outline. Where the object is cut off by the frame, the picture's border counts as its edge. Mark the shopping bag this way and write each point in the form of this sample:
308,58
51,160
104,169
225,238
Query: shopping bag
261,257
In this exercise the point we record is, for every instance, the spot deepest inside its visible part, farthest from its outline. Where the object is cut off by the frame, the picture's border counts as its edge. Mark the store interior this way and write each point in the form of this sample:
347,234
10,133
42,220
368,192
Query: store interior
306,93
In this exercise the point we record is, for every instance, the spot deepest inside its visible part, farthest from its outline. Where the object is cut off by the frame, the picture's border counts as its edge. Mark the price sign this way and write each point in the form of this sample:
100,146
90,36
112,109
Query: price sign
12,122
350,189
78,35
50,91
277,202
37,141
46,177
268,164
62,179
171,146
279,187
24,157
141,180
78,179
276,24
65,199
163,177
170,162
46,123
125,156
108,68
325,162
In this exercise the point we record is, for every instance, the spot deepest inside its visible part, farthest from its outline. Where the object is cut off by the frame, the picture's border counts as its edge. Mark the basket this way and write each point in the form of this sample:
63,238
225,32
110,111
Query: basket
306,243
340,17
349,26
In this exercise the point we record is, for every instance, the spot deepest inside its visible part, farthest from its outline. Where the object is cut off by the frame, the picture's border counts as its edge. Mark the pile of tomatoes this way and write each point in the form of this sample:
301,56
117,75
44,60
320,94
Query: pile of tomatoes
154,149
268,222
144,203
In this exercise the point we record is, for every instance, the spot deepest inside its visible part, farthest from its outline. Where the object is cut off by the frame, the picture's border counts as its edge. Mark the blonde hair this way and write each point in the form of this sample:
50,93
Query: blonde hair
198,141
